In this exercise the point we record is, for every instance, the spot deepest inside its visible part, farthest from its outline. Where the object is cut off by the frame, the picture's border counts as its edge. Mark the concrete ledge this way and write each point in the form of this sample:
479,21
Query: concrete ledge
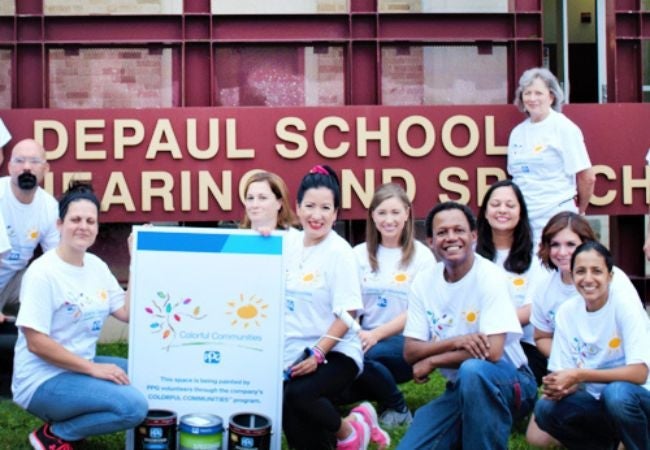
114,331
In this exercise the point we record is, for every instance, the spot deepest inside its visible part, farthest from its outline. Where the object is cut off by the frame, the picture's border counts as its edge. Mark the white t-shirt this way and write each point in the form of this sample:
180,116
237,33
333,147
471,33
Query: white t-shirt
27,226
4,239
385,292
321,279
477,303
69,304
5,136
550,292
519,285
614,336
543,158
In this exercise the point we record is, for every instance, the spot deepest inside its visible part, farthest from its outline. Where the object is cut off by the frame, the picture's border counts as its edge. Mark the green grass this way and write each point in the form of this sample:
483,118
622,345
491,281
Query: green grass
16,424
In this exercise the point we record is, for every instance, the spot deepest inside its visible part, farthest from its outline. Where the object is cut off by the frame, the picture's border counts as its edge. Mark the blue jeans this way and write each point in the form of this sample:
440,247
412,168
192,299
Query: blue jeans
475,412
384,368
579,421
78,406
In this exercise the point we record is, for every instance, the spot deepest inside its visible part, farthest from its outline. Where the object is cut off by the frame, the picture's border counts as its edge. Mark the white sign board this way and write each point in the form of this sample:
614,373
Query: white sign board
206,322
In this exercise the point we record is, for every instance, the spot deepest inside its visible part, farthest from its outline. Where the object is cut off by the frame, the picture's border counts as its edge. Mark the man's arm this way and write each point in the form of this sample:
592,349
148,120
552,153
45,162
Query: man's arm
450,353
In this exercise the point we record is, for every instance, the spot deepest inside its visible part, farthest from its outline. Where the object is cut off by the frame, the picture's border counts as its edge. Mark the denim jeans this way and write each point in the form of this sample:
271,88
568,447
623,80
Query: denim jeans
579,421
384,368
475,412
78,405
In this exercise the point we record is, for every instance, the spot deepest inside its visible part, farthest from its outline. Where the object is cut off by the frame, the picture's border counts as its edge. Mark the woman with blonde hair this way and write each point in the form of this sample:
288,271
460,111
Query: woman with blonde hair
388,261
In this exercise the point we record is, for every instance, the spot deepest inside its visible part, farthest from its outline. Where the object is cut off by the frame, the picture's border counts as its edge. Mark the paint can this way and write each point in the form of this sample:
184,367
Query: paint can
157,431
200,432
249,431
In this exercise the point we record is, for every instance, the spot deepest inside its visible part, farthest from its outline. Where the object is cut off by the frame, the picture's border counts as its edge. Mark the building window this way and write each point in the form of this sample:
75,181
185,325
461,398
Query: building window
444,75
443,6
111,78
85,7
279,6
5,78
280,76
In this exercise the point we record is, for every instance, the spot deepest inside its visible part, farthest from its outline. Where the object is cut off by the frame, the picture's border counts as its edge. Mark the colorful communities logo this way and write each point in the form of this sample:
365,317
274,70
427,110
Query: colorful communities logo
168,316
247,311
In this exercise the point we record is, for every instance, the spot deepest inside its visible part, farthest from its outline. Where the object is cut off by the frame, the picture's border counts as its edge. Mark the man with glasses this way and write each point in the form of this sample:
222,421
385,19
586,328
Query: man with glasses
30,215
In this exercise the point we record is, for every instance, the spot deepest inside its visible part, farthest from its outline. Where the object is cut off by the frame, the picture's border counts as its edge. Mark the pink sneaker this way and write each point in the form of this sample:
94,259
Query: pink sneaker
360,440
368,414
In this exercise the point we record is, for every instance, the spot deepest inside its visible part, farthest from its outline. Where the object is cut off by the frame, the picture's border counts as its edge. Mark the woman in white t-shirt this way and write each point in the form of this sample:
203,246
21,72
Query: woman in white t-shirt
563,233
266,199
388,261
322,353
505,237
598,391
547,157
66,296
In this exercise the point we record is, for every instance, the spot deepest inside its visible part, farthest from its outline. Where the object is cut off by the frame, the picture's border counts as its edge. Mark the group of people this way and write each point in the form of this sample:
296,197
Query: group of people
521,296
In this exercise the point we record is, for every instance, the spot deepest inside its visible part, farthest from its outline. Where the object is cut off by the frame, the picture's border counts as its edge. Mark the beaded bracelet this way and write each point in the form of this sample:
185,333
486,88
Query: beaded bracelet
319,354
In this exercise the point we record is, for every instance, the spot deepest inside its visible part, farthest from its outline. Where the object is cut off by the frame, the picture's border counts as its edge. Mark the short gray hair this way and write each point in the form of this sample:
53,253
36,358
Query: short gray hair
549,80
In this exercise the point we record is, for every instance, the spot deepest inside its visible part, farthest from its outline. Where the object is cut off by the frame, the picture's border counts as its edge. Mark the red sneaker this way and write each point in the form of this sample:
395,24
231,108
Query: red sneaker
43,439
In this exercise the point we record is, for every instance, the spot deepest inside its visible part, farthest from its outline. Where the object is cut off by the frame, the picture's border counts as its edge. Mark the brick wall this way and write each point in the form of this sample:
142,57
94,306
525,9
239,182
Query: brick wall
5,78
456,6
110,78
82,7
402,75
279,6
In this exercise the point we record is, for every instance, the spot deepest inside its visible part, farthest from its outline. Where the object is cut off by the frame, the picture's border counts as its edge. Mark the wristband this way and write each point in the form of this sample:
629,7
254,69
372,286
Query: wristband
318,353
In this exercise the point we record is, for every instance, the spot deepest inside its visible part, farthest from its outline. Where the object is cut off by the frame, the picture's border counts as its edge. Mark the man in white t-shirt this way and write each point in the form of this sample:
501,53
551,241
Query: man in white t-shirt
461,320
30,215
5,137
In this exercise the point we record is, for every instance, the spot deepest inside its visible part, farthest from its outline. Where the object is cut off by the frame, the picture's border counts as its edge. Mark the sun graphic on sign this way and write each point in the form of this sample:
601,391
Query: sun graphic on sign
247,311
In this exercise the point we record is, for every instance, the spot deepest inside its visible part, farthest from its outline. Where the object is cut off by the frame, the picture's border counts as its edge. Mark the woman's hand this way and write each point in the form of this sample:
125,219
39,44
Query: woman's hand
304,367
110,372
368,339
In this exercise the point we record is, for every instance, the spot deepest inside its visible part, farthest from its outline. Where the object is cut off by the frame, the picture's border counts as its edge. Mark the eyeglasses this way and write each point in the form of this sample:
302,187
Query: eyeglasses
20,160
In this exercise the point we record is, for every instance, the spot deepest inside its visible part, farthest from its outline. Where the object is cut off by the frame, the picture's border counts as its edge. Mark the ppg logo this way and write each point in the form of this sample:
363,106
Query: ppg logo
247,442
155,433
211,357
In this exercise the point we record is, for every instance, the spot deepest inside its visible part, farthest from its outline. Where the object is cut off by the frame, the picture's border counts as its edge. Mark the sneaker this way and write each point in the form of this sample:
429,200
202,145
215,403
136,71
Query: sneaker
391,418
43,439
368,415
360,439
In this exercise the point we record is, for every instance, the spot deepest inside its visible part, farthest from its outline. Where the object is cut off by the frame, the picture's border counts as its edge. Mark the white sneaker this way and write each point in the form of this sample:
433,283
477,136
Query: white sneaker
392,418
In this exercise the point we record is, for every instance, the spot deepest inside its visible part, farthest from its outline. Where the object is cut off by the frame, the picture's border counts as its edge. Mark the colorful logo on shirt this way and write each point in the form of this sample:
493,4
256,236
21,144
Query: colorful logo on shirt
615,345
78,304
470,316
382,301
518,282
582,352
247,312
168,316
32,234
440,324
401,277
539,148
